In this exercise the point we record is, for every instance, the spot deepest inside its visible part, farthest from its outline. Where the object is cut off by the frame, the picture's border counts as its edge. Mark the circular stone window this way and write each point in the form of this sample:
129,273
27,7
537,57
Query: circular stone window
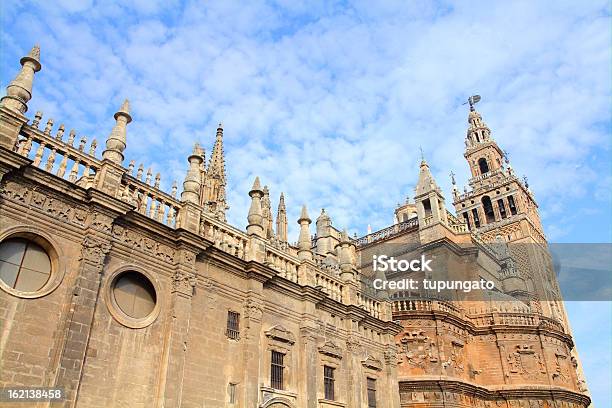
25,266
134,298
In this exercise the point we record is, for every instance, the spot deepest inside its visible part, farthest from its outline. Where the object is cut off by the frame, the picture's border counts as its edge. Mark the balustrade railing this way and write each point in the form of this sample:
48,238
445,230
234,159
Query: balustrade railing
331,286
286,265
387,232
56,156
224,236
370,304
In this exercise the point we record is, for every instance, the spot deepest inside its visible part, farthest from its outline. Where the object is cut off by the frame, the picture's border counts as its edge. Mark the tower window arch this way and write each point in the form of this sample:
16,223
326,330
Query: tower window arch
487,206
483,165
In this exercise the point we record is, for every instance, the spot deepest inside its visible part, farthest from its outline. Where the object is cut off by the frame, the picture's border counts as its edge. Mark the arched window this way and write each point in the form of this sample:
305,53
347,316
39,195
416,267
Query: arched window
488,209
134,294
24,265
427,207
483,165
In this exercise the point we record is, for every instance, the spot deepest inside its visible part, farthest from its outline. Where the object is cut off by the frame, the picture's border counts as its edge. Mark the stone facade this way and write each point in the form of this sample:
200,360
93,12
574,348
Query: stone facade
225,303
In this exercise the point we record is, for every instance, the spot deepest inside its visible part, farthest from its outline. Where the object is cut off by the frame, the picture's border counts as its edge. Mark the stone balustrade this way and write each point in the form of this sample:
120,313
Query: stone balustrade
224,236
387,232
333,287
285,264
149,199
56,156
370,304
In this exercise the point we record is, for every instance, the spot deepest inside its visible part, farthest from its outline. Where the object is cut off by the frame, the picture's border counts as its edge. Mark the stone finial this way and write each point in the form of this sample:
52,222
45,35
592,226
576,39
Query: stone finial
140,171
426,182
19,91
255,216
174,188
92,147
193,178
116,142
281,219
71,137
157,180
266,206
345,258
60,132
48,127
304,243
149,175
131,167
37,118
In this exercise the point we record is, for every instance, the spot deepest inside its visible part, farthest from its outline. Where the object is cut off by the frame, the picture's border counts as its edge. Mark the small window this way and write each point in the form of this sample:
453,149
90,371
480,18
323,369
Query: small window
487,206
232,393
466,218
276,373
328,381
371,393
24,265
502,208
427,207
475,217
512,205
233,325
134,294
483,165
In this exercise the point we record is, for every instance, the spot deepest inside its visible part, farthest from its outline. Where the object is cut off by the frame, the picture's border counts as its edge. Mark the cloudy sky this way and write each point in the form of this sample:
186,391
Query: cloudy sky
330,101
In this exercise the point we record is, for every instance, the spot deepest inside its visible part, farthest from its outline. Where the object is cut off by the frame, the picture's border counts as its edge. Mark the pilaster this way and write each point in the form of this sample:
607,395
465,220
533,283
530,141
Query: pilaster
95,247
11,123
179,315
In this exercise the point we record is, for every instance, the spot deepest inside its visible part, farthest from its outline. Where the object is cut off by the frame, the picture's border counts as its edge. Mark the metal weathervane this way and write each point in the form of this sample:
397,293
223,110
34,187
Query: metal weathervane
472,100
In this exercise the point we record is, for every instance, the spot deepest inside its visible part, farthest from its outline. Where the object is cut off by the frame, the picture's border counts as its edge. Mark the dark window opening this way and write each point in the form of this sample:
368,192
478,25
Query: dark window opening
466,218
488,209
483,165
502,208
476,219
371,393
512,205
233,325
232,393
277,367
328,380
427,207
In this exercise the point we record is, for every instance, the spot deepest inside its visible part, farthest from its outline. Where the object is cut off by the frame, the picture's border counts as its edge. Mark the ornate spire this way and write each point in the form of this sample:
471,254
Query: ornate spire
478,132
216,166
281,220
19,91
191,185
426,181
304,245
116,142
267,213
213,195
255,217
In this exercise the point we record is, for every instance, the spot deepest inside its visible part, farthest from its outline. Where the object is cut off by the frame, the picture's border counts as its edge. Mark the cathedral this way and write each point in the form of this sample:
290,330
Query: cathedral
124,295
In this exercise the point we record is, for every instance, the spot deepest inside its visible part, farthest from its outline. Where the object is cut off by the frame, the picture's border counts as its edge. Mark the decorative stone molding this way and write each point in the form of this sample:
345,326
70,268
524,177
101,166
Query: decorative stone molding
331,350
525,361
372,363
134,240
279,333
94,251
183,282
253,309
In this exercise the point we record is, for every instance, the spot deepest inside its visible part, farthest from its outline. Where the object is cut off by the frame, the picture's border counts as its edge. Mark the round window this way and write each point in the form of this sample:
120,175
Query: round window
24,265
134,294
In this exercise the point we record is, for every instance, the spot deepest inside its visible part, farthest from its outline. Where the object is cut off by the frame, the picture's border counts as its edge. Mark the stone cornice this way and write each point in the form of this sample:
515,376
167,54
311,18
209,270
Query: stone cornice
507,391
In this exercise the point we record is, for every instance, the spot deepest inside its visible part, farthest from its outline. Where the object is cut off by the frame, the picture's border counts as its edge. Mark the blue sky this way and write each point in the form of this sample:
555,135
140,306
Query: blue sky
330,101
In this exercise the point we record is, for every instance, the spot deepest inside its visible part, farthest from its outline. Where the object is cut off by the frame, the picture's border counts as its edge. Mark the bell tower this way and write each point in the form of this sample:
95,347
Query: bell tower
497,203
